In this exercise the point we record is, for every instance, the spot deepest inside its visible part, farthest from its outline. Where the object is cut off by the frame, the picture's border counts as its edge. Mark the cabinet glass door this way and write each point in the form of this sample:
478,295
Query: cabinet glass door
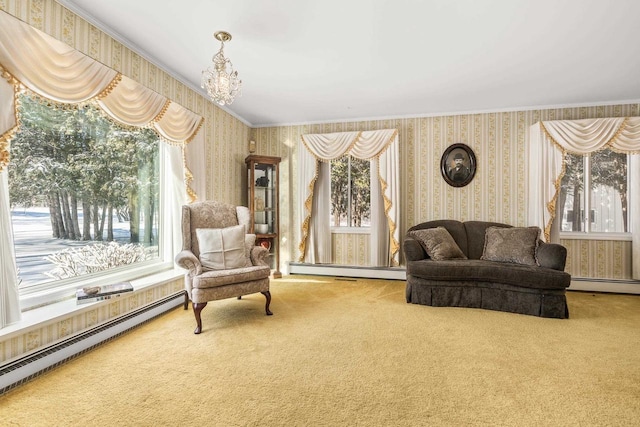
264,199
263,205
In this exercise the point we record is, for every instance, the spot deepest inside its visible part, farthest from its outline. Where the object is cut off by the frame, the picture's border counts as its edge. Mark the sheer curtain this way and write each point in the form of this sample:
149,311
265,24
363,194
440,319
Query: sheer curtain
551,140
173,196
9,304
33,61
381,148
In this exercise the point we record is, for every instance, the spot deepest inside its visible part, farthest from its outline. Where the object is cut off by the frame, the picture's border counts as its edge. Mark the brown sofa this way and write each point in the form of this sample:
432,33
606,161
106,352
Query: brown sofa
537,289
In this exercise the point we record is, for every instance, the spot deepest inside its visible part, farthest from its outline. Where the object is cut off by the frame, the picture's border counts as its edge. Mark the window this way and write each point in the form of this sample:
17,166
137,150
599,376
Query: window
350,192
594,193
84,194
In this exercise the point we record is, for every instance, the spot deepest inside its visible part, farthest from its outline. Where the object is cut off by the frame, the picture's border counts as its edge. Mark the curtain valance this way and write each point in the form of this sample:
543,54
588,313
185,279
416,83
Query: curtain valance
178,124
56,71
364,145
49,67
622,134
550,141
133,104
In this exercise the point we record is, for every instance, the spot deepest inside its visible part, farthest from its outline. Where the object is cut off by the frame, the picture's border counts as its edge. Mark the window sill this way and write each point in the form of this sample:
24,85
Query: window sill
568,235
36,296
351,230
63,309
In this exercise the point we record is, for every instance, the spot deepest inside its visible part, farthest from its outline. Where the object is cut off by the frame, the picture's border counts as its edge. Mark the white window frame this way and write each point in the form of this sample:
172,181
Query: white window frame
52,291
599,235
338,229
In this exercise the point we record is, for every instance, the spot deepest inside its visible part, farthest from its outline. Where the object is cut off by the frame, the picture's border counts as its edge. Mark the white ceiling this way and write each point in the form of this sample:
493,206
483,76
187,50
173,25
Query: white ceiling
309,61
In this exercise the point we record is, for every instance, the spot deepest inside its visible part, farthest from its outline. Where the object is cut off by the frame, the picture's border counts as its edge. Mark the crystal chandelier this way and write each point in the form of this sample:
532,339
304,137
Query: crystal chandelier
220,80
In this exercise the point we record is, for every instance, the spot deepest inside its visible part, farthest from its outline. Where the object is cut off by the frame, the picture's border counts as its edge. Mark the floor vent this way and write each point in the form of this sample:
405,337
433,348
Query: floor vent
19,371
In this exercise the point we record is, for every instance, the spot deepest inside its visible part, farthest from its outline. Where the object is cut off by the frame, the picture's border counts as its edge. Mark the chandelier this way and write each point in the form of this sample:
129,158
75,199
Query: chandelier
220,80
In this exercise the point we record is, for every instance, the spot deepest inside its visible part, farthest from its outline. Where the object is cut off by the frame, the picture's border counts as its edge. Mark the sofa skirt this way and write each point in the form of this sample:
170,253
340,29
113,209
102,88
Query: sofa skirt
490,296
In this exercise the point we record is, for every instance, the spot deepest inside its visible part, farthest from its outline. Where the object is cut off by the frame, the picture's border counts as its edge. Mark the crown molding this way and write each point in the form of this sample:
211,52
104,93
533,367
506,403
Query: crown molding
455,113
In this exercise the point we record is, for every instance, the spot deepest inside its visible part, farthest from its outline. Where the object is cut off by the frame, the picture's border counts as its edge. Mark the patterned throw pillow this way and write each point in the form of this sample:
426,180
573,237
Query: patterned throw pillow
222,248
517,245
438,243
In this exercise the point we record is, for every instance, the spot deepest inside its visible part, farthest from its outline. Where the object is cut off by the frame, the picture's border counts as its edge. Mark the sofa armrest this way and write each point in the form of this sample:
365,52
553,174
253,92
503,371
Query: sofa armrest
187,260
552,255
413,250
259,255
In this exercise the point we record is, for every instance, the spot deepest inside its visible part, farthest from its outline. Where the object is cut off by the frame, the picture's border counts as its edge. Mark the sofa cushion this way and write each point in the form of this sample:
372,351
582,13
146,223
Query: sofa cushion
223,248
528,276
514,245
215,278
438,243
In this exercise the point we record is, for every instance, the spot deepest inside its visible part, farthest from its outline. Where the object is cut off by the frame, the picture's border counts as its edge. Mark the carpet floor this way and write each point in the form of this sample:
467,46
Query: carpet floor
341,352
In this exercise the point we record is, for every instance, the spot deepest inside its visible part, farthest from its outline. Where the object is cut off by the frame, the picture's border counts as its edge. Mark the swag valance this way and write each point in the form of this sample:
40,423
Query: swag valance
53,70
381,148
550,141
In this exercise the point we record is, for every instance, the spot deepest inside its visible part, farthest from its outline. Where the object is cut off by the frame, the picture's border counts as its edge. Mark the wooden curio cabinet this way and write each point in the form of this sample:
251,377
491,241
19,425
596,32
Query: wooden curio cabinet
263,202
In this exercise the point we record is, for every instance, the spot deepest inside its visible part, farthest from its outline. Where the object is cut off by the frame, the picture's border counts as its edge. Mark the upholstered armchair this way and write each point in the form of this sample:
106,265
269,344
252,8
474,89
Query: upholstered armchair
221,258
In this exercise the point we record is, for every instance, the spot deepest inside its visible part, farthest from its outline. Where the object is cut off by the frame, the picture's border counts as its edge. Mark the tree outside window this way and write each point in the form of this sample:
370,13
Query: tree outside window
84,192
350,192
594,193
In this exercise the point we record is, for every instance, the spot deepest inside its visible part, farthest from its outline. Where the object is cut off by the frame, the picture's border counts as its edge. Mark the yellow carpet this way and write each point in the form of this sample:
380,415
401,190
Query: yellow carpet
351,353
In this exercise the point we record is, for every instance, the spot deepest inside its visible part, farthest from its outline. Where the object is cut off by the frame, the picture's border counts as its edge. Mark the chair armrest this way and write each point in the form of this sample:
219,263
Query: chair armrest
259,255
413,250
187,260
552,255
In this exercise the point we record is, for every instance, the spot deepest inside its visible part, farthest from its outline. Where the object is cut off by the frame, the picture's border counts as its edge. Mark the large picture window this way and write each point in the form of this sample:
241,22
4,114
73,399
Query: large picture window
84,193
594,193
350,192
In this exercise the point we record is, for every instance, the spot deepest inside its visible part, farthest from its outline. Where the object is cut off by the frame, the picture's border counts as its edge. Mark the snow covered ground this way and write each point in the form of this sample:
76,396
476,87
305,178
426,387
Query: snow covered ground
33,241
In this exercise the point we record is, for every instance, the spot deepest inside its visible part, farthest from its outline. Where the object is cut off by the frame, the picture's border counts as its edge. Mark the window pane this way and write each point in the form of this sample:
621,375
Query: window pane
350,192
571,199
84,192
608,196
339,192
360,213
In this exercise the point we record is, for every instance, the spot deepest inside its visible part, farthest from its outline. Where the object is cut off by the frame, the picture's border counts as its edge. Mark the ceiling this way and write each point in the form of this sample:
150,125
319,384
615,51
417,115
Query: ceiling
305,61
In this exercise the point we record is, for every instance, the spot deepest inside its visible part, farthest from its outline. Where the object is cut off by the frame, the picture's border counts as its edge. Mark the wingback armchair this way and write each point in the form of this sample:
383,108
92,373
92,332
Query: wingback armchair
221,258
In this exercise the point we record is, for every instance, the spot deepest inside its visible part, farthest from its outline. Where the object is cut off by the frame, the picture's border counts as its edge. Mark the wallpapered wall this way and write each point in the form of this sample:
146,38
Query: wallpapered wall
497,193
499,141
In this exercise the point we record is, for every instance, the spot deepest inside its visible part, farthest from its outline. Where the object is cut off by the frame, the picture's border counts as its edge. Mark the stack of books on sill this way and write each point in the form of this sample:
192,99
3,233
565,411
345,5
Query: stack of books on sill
100,293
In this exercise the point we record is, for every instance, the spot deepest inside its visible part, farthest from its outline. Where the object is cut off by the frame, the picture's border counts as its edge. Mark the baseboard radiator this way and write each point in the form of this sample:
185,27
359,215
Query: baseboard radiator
19,371
393,273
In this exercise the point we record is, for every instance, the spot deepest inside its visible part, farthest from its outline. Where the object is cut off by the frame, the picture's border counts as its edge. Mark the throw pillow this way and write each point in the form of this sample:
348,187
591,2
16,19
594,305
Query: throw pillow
222,248
438,243
516,245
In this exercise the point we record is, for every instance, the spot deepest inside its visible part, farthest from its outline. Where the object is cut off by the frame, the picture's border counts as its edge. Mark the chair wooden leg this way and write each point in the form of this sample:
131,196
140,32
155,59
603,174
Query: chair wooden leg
197,308
186,300
267,295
